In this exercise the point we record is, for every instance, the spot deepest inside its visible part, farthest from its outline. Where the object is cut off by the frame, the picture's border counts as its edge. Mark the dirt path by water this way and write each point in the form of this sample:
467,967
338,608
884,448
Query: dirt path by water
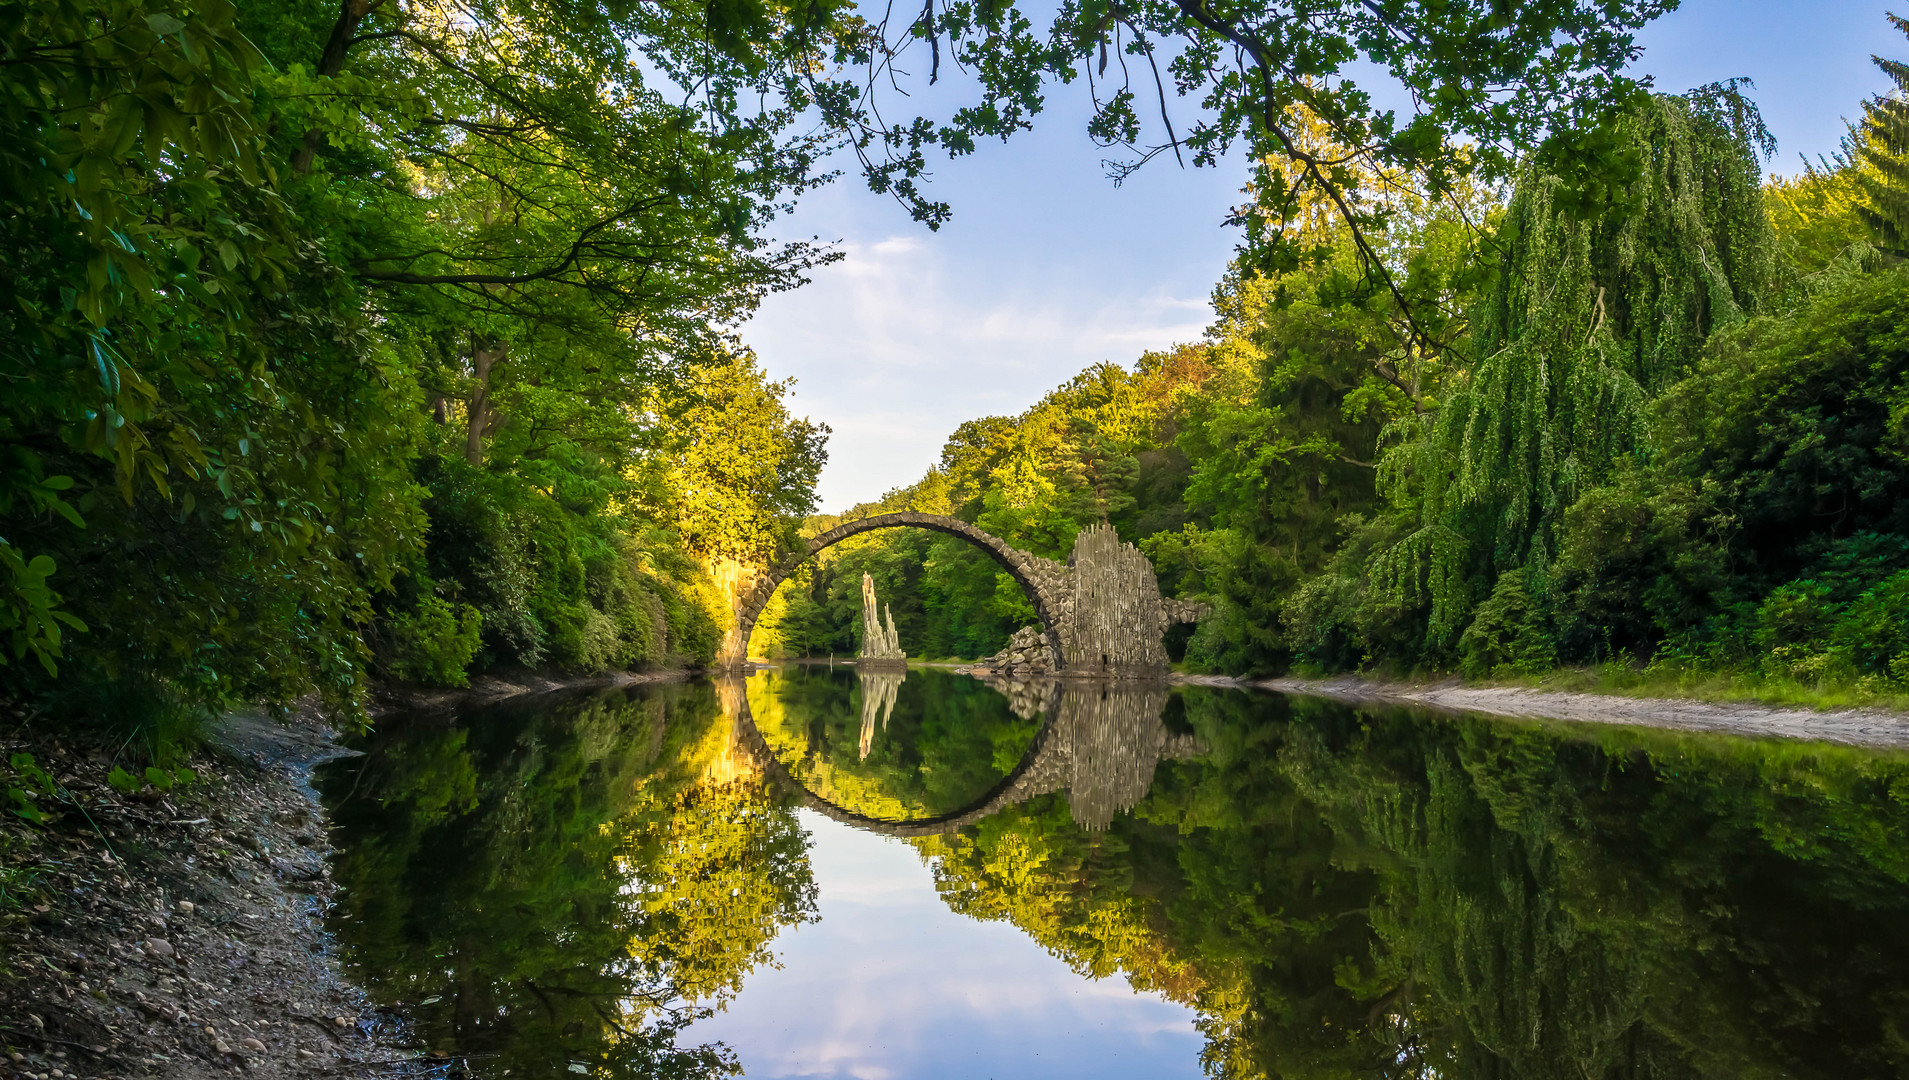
1855,727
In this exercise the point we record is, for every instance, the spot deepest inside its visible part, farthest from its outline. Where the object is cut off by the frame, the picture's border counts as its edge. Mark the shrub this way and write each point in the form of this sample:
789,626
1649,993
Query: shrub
435,643
1872,635
1795,615
1797,423
1509,633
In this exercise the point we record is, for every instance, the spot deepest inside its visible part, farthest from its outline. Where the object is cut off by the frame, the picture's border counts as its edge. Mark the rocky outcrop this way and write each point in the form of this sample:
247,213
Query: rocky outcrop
1027,653
880,644
1113,623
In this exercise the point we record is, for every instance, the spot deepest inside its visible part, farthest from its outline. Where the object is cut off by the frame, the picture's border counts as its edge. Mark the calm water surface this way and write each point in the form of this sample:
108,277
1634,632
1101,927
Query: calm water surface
820,874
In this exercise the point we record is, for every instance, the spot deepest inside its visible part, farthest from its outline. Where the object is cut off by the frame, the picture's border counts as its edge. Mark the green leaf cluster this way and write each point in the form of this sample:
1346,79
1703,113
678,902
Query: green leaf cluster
316,321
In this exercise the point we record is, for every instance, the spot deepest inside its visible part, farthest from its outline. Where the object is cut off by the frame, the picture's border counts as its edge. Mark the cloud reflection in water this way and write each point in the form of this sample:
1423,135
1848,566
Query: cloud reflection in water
892,984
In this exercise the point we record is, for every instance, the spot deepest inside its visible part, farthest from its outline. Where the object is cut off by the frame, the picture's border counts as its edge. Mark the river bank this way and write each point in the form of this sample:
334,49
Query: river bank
173,935
179,934
1853,726
1856,727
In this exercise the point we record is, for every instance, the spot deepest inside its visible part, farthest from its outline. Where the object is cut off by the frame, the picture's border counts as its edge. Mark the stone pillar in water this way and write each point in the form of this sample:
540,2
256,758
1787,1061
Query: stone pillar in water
880,644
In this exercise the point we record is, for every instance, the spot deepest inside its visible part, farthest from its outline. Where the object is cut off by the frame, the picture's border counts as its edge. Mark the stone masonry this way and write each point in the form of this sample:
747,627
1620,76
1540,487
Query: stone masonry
1101,611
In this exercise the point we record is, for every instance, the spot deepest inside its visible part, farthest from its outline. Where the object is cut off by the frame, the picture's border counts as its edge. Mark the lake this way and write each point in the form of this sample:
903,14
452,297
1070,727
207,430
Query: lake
820,873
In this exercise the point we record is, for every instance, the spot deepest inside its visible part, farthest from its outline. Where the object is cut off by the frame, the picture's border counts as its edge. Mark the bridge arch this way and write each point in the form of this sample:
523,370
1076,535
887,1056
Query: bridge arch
1044,580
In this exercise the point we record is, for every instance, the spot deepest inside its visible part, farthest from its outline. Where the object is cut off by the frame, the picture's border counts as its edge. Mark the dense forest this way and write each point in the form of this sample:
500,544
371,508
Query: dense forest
377,343
1667,429
399,341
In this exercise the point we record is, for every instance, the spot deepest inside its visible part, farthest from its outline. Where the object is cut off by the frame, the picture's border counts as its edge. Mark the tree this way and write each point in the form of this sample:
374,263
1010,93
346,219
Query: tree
734,470
1487,80
1587,321
250,255
1881,145
571,228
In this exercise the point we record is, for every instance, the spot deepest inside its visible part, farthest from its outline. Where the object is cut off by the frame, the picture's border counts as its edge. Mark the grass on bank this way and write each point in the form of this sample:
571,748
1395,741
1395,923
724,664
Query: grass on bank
1723,686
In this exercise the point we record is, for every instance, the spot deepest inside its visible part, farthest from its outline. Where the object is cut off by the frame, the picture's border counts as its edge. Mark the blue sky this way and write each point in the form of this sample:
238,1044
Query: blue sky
1047,267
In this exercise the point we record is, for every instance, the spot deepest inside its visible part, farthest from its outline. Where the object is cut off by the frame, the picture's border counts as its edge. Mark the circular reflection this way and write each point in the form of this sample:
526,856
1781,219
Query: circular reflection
886,746
935,751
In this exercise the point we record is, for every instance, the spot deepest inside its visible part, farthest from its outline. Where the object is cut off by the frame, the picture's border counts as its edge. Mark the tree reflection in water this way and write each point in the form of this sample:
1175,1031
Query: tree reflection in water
1383,893
564,880
1337,892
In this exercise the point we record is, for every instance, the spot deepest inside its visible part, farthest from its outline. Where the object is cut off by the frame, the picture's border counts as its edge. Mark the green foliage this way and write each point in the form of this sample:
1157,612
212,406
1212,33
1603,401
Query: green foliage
1588,320
1881,145
1871,637
735,468
1641,560
32,619
28,784
435,643
1510,632
162,780
1798,422
123,782
251,255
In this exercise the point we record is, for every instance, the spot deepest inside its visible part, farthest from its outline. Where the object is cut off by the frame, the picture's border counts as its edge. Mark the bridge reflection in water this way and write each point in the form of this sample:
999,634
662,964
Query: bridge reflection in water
1100,741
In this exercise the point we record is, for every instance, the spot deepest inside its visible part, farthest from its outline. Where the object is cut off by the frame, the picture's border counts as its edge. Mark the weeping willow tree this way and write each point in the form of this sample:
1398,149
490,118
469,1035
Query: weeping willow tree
1592,315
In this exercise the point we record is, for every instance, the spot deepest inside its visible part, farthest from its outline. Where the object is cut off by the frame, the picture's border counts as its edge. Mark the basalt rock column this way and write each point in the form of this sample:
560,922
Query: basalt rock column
881,645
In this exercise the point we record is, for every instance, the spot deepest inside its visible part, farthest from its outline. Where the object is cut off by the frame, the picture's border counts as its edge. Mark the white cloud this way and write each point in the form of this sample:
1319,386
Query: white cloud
903,340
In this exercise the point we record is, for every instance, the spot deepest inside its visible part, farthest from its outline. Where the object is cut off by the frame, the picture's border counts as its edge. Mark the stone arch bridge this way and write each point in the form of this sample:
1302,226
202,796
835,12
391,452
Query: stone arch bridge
1101,611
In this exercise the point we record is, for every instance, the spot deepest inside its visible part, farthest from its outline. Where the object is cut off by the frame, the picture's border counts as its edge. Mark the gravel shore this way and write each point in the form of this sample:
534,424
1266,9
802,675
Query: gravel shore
1855,727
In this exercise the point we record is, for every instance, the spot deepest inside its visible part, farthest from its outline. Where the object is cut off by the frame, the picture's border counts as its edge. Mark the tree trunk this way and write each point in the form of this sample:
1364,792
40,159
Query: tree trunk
330,62
482,417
